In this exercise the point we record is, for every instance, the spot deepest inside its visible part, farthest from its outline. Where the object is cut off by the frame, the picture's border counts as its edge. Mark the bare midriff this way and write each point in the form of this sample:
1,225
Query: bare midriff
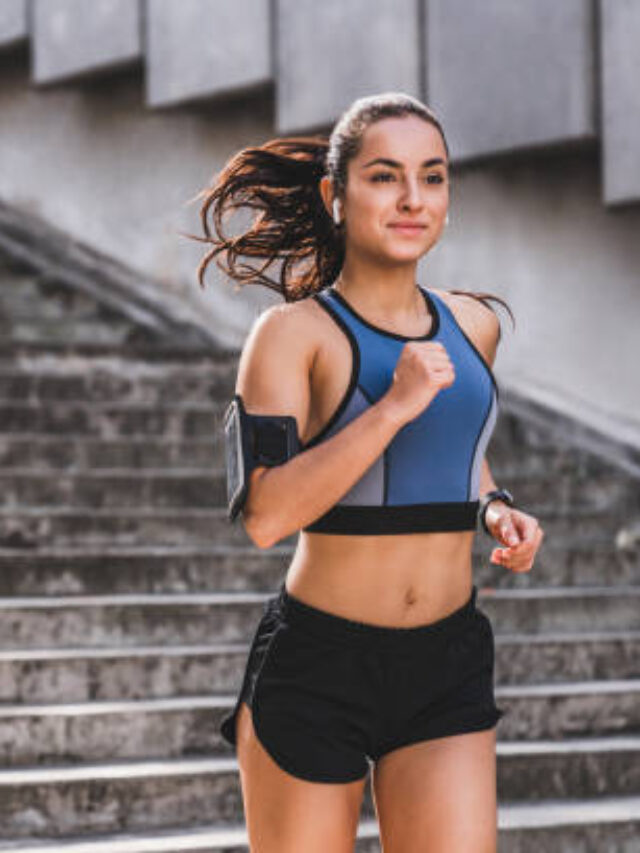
397,580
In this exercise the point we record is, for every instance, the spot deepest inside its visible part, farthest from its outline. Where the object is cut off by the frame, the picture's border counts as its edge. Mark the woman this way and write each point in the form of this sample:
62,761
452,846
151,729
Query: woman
373,652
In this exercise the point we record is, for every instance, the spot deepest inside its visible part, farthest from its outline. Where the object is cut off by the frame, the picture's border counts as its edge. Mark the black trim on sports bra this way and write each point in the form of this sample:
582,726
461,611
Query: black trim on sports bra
483,360
432,308
353,379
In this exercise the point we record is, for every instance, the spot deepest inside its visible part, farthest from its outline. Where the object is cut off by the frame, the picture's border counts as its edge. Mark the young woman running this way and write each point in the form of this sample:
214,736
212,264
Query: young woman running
373,653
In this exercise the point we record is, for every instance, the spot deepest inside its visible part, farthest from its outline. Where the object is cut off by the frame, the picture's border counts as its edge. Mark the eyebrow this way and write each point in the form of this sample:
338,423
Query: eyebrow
394,163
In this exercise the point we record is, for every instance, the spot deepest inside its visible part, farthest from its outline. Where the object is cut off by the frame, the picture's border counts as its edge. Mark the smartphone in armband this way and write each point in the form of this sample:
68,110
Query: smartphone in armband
251,441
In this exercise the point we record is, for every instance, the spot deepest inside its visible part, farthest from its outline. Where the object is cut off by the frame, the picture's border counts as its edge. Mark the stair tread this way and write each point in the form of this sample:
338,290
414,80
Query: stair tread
216,699
213,763
485,595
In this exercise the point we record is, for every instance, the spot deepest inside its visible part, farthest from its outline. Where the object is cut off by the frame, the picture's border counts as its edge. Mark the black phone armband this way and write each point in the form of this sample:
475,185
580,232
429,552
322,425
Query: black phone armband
251,441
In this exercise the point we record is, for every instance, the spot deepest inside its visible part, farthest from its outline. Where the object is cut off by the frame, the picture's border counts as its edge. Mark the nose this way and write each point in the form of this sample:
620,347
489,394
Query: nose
410,198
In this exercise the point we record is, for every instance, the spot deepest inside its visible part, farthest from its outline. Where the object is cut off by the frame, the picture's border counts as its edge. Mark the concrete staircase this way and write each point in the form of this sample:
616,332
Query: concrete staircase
127,602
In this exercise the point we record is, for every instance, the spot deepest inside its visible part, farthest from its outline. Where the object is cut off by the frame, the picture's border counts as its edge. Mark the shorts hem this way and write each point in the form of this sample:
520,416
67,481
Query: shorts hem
284,764
460,727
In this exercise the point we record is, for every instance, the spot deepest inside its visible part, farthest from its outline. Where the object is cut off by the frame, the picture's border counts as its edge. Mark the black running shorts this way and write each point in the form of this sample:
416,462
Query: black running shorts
328,695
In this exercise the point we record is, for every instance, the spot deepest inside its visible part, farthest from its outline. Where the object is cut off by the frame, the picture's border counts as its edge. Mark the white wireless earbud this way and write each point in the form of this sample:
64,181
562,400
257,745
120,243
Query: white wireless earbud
336,211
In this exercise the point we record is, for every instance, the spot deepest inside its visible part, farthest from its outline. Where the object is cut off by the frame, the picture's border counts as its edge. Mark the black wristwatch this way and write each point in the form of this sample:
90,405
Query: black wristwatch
497,494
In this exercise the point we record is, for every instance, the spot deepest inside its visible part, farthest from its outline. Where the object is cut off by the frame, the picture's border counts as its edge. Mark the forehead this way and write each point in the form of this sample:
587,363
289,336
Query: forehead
408,139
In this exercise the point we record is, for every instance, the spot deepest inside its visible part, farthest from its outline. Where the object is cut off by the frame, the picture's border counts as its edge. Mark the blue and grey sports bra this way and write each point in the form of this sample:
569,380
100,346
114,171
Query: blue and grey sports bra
428,477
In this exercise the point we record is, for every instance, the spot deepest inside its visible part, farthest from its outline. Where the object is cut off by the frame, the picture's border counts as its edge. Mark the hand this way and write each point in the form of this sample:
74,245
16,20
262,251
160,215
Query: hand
519,531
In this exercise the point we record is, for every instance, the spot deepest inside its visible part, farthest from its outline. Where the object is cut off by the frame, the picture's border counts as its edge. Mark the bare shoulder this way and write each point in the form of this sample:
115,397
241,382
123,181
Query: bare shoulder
276,360
477,319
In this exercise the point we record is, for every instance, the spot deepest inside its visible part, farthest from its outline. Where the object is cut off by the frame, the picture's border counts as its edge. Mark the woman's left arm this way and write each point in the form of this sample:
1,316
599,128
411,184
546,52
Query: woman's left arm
513,528
518,531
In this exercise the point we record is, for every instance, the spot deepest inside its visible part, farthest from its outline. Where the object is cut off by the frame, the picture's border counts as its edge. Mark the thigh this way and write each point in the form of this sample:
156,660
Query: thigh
439,796
286,814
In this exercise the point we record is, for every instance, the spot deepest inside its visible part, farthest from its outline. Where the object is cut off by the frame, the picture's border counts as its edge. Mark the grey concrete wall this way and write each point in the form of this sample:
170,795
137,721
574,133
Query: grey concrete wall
331,52
13,21
196,48
620,37
73,37
507,75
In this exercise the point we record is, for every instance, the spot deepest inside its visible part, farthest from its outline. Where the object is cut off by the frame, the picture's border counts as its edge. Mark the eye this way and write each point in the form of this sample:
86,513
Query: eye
381,177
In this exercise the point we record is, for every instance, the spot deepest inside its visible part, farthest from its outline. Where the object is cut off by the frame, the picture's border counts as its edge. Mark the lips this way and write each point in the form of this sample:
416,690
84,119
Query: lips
408,228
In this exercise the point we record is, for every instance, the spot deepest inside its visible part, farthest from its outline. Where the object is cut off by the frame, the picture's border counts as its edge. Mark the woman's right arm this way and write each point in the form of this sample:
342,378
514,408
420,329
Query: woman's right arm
274,378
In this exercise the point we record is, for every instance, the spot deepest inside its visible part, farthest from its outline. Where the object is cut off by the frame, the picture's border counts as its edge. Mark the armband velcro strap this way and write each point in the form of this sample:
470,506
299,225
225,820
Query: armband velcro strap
251,441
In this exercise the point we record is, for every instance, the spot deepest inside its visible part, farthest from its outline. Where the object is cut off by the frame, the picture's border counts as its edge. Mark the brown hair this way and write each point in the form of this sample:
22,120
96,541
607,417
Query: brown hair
279,180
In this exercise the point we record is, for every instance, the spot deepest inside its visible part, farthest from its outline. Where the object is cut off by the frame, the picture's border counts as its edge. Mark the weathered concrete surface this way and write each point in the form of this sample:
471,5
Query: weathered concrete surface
197,49
620,63
506,75
73,37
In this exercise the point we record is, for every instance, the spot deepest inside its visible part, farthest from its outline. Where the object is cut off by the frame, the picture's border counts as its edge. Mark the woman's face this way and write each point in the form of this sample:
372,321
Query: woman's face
399,176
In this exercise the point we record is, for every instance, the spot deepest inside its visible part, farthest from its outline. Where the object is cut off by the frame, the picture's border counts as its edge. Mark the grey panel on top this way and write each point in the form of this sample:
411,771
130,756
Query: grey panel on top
13,21
199,48
503,75
73,37
330,52
620,34
369,488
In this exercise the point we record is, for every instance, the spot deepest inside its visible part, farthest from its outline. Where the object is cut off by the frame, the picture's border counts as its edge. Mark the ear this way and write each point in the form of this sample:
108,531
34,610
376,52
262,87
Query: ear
326,191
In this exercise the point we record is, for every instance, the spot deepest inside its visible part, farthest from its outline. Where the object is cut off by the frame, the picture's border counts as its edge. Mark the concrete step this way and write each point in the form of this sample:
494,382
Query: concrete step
81,674
605,825
142,345
42,526
40,450
106,568
139,618
207,837
127,620
121,487
109,420
565,771
142,568
45,330
207,487
117,379
51,452
186,726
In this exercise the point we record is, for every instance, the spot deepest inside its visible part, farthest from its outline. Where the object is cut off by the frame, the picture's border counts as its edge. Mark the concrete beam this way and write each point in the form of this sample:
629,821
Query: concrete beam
73,38
196,49
620,98
332,52
13,22
504,76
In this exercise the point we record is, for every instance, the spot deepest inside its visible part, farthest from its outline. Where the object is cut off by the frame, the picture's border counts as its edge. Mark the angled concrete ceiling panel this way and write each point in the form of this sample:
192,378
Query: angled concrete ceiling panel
199,48
504,75
72,38
330,52
620,94
13,21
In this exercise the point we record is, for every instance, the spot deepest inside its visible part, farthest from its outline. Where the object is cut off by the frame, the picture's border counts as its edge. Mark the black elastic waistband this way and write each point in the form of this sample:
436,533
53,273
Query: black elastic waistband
335,627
